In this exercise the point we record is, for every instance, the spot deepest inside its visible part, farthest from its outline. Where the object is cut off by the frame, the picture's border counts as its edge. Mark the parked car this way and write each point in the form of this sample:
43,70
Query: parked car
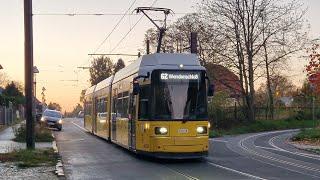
52,118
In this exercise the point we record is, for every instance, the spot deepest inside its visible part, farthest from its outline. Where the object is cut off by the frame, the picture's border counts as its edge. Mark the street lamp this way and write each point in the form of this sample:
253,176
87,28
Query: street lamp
35,72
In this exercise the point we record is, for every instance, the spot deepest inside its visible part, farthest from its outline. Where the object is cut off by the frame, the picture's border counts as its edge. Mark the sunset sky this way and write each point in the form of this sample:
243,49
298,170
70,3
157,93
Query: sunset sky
61,43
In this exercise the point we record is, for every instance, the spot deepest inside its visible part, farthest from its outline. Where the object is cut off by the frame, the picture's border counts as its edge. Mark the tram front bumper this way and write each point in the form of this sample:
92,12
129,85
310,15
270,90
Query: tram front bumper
197,144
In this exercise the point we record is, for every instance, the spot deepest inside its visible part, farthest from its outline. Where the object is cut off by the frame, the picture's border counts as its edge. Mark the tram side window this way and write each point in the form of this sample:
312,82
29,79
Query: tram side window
144,96
114,108
121,105
101,107
97,108
104,107
88,107
125,106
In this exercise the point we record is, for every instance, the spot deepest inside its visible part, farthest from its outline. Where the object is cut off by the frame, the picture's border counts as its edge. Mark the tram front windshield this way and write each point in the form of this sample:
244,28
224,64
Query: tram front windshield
178,95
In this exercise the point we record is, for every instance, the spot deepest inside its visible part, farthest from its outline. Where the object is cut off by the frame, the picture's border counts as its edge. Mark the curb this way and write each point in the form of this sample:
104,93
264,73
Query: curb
309,148
59,166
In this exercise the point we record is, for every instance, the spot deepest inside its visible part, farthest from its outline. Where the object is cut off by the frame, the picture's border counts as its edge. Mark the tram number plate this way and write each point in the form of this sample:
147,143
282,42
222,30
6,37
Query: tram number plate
183,131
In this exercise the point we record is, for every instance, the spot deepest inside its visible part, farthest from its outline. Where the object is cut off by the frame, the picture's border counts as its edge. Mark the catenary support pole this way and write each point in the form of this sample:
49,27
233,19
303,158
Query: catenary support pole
193,43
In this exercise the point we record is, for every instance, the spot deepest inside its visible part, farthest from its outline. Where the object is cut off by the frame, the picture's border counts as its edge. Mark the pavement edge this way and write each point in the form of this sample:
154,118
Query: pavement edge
59,166
308,148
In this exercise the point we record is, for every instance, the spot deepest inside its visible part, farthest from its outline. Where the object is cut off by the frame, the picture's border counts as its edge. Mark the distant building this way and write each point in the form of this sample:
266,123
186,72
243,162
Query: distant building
225,80
287,101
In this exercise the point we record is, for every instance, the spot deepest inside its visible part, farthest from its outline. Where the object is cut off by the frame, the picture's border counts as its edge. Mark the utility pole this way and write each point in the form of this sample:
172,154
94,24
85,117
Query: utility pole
194,43
28,60
148,46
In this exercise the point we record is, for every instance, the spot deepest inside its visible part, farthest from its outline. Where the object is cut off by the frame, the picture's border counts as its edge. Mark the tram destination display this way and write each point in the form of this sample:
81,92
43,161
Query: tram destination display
173,76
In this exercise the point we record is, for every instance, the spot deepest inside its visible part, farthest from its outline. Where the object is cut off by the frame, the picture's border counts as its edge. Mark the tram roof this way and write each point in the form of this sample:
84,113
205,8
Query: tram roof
90,90
148,63
103,84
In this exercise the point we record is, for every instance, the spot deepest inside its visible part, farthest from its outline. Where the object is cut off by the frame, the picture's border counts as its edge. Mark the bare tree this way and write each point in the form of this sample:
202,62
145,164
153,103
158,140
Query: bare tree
283,36
4,80
246,28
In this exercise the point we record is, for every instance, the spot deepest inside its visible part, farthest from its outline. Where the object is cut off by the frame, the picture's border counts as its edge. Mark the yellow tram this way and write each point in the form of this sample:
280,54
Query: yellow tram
155,106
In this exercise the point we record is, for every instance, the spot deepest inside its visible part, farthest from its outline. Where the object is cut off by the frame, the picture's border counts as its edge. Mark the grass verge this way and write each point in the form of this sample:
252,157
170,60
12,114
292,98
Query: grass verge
42,134
31,158
261,126
309,135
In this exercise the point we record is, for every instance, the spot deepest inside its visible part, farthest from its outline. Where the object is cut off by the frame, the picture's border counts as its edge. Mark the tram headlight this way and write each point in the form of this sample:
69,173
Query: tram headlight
202,130
42,119
60,121
161,130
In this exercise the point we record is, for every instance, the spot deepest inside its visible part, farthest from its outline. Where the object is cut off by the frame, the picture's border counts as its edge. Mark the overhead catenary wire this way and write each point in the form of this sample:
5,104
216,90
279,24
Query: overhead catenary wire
83,14
119,42
114,28
96,14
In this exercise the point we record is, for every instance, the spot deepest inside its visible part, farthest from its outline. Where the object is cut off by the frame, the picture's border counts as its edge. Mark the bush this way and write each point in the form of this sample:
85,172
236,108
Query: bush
223,113
265,125
42,134
308,135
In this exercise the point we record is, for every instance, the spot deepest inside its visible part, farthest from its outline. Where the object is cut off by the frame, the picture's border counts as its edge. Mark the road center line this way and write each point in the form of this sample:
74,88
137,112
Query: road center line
236,171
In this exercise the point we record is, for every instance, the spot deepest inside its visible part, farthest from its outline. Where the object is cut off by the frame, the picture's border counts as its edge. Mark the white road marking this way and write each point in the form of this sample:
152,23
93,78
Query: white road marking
272,158
236,171
79,126
311,156
268,148
218,140
182,174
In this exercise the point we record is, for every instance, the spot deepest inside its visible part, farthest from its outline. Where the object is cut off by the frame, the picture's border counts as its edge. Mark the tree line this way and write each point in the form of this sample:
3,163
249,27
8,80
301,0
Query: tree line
253,38
102,67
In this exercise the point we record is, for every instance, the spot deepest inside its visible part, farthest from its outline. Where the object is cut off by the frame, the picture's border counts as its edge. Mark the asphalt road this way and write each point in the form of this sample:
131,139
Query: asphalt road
250,156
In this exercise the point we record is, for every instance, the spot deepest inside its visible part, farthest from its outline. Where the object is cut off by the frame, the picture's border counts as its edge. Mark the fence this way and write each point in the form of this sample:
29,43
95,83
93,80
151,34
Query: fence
226,117
8,115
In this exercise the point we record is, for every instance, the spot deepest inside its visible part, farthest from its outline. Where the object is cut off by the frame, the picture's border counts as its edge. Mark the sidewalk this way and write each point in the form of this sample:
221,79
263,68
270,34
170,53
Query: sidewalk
9,170
311,148
8,145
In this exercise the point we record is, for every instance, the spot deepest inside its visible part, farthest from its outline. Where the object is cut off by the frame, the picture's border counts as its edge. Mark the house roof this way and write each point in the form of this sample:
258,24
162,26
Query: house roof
224,80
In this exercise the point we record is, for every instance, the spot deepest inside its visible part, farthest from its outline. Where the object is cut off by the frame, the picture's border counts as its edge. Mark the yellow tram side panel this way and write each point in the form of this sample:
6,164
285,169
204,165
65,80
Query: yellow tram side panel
173,141
122,132
122,124
102,120
103,127
88,122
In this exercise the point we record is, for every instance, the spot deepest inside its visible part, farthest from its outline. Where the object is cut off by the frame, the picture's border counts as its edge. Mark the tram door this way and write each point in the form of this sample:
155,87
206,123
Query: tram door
132,121
114,119
94,115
